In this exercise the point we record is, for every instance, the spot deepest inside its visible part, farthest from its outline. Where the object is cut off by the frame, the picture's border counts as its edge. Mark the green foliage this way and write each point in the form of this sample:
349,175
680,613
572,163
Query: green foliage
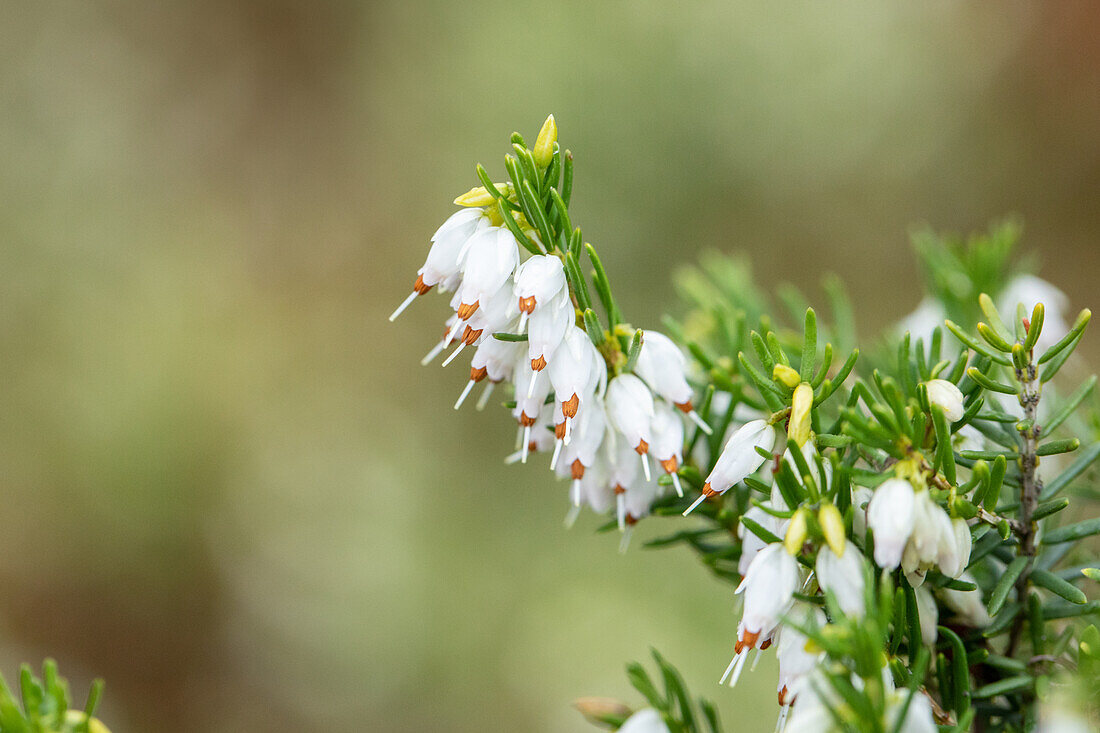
42,705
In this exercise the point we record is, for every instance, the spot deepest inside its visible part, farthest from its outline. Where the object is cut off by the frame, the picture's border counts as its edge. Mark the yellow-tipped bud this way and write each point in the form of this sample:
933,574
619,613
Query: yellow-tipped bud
803,400
596,709
77,717
786,375
479,196
544,145
832,524
796,532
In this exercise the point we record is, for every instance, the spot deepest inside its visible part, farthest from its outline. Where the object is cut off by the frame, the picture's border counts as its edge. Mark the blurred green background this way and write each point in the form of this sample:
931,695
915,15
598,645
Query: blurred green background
225,483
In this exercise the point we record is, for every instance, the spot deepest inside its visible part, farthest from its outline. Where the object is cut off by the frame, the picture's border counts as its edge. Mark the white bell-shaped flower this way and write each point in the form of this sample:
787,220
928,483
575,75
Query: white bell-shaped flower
443,263
929,614
577,369
664,368
967,604
547,329
946,395
928,315
769,585
738,459
587,440
861,497
630,410
844,577
918,718
1029,290
488,261
750,543
639,497
931,543
646,720
890,515
494,359
541,437
668,442
497,313
532,389
795,662
538,281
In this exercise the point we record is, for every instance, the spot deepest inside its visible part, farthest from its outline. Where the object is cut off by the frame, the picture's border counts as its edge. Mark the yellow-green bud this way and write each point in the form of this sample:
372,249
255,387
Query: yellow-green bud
544,145
77,717
786,375
796,532
479,196
803,400
832,524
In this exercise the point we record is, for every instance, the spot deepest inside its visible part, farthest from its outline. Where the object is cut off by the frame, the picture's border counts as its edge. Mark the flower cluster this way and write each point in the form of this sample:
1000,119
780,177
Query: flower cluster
604,419
882,542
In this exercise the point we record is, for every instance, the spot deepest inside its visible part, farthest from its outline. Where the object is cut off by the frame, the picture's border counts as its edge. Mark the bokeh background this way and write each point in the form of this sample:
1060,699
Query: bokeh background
225,483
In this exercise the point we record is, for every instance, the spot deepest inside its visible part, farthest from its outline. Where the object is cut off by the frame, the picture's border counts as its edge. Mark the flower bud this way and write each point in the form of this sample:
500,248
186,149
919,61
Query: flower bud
801,402
544,144
796,532
946,395
832,524
786,375
479,196
78,718
597,709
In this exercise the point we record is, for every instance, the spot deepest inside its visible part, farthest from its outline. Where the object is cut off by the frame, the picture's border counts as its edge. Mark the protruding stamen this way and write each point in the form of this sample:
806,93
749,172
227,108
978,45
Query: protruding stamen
571,516
620,510
738,669
484,399
454,353
677,485
404,304
726,674
755,659
575,492
433,353
695,418
645,465
526,442
781,724
522,322
465,391
697,502
513,458
624,541
568,430
557,452
458,324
